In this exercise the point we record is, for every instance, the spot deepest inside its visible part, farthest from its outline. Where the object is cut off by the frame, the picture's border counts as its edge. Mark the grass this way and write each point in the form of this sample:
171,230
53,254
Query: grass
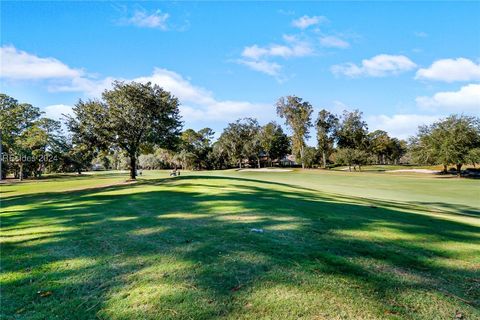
387,167
336,245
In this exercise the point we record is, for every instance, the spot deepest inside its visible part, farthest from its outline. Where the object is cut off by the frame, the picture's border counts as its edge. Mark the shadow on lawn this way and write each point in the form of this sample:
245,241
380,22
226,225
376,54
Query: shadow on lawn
180,254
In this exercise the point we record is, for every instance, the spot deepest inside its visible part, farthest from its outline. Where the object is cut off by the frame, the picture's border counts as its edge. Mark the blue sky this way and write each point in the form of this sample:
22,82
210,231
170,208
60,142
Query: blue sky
402,64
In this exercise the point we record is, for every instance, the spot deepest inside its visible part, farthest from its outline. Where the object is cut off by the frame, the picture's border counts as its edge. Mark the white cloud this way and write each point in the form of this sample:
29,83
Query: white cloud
257,58
20,65
199,104
306,21
254,52
270,68
464,100
57,111
294,48
378,66
449,70
333,42
90,87
180,87
401,126
143,19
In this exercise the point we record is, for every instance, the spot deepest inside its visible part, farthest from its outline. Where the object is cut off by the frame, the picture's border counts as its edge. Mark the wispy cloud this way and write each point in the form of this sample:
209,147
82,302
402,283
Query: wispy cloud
378,66
144,19
270,68
307,21
20,65
258,58
267,58
450,70
293,48
334,42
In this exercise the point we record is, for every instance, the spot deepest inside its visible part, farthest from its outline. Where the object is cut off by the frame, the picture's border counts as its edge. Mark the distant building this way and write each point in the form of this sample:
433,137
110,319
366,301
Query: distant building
287,161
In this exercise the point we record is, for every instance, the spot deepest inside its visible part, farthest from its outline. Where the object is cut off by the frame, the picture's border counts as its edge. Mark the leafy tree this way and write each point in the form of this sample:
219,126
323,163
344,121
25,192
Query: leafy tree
53,145
424,148
148,161
218,158
396,149
167,157
473,156
447,141
461,134
352,157
23,137
239,141
79,157
132,114
253,146
273,141
199,145
186,159
29,147
310,156
297,114
326,125
345,156
90,133
379,143
352,131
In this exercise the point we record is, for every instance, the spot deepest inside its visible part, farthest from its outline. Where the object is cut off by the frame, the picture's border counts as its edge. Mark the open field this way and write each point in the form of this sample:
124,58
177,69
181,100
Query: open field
336,245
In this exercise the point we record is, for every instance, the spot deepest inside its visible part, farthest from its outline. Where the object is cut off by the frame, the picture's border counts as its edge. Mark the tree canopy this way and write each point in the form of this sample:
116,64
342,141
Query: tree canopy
297,114
130,115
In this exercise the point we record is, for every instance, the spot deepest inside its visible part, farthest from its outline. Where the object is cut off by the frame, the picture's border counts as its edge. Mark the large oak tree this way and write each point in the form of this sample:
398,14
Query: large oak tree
131,115
448,141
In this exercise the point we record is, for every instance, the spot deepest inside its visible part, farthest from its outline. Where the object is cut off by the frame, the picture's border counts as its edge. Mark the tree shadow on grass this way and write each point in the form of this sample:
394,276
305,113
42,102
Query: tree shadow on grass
183,248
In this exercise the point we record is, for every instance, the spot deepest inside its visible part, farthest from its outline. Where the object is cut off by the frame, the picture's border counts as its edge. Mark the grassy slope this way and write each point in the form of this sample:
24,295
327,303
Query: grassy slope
336,245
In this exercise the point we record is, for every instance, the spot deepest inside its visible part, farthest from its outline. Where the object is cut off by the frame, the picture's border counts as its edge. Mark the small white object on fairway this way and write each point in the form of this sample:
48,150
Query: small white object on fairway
256,230
265,170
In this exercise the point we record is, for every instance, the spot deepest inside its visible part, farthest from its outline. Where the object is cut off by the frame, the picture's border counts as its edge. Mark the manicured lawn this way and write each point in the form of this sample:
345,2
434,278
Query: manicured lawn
336,245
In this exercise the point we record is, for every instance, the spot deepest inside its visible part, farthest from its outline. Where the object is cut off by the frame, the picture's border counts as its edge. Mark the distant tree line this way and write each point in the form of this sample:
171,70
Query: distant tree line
138,125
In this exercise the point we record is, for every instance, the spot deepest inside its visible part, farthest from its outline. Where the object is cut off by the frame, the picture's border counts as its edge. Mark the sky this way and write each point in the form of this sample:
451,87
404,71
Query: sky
402,63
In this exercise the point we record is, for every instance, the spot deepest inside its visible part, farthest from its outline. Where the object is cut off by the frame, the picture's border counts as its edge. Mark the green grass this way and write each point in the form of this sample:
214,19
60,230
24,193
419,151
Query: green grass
387,167
336,245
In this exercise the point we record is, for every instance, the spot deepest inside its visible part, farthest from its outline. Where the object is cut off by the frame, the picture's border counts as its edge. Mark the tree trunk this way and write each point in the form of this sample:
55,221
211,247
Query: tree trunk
133,167
301,156
459,170
21,172
445,168
324,157
240,164
349,168
258,162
